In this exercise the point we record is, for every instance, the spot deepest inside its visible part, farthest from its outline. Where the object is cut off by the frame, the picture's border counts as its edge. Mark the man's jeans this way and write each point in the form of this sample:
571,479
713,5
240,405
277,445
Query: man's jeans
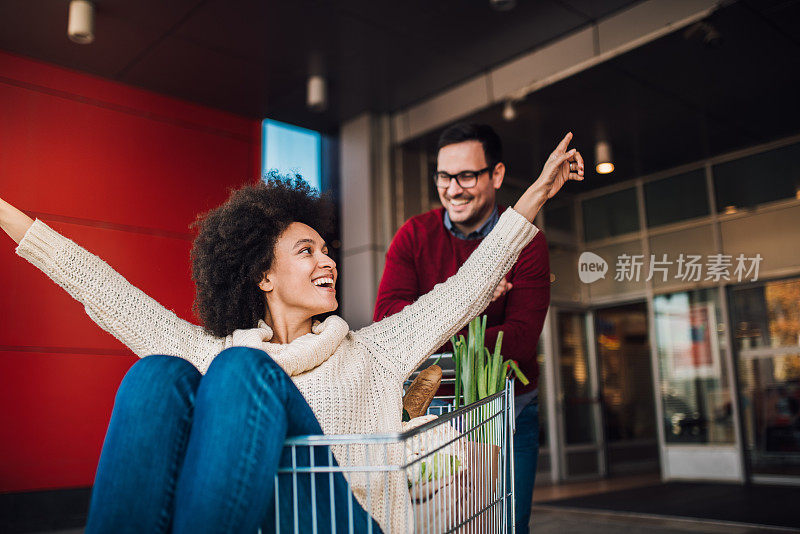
526,456
192,453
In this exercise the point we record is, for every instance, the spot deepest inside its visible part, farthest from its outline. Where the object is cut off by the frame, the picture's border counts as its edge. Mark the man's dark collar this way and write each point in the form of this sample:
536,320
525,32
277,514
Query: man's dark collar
480,233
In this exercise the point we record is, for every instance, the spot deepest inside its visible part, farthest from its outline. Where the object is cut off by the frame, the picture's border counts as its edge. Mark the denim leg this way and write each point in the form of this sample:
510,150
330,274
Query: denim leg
335,508
246,406
134,488
526,456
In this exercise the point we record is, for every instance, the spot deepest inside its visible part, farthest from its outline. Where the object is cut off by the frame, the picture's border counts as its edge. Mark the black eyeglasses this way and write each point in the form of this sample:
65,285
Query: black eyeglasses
465,179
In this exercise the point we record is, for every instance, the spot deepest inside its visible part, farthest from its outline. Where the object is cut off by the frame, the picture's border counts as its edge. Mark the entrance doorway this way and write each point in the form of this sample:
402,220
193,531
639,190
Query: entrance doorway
766,321
580,431
626,389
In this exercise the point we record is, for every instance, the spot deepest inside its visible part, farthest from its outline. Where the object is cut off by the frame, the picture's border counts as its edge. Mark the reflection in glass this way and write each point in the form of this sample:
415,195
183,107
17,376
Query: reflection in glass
610,215
676,198
543,467
559,216
694,385
757,179
783,307
543,428
767,319
574,370
771,406
291,150
767,315
624,357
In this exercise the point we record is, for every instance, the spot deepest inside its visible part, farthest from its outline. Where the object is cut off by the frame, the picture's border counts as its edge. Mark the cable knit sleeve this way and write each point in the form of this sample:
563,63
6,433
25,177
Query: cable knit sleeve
118,307
407,338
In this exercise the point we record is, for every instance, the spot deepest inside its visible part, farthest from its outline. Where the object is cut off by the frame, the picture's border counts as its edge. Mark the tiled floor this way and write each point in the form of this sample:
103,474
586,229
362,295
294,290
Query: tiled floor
552,521
578,489
577,522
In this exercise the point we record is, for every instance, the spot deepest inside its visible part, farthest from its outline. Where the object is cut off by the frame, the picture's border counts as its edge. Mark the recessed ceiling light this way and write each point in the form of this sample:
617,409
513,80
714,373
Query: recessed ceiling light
80,28
317,93
604,163
509,112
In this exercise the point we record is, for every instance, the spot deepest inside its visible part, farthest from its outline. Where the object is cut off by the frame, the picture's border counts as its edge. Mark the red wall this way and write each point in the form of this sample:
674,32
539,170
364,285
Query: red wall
123,172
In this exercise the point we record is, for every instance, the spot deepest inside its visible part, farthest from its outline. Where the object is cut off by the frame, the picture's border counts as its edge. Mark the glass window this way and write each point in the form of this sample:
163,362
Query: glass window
579,426
543,426
771,411
626,386
291,150
767,320
695,391
626,269
756,179
676,198
767,315
610,215
559,216
582,463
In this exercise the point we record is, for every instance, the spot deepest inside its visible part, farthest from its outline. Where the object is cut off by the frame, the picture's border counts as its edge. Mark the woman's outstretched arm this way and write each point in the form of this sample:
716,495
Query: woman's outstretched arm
407,338
121,309
13,221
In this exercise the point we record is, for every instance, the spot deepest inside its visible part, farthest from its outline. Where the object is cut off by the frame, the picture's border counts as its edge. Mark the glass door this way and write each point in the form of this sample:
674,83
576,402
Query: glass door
578,406
544,468
695,385
626,389
766,319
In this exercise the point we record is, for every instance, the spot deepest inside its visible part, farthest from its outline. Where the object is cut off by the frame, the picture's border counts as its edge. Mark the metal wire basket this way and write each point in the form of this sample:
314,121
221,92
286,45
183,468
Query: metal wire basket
456,465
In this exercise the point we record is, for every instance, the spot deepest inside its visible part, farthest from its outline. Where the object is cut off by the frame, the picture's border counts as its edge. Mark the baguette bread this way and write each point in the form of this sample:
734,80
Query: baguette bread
421,391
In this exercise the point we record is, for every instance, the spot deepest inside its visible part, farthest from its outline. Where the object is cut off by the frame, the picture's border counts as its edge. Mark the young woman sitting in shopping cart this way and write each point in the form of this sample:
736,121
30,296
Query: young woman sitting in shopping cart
198,425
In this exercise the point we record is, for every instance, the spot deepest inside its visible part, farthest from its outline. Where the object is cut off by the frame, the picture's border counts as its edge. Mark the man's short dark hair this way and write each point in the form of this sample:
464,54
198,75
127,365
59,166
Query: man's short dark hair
483,133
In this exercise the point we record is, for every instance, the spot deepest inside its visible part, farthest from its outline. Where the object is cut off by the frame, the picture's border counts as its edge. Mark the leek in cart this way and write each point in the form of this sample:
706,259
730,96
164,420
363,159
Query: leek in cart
480,373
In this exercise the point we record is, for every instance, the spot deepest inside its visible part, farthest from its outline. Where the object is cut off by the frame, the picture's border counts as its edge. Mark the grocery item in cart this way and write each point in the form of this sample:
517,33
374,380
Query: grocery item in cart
453,472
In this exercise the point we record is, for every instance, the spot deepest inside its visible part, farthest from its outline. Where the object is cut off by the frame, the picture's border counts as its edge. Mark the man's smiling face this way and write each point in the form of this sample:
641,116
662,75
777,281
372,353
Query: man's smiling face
468,208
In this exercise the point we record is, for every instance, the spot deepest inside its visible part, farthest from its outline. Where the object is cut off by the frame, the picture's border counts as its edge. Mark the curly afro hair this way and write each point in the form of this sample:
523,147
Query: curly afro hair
235,246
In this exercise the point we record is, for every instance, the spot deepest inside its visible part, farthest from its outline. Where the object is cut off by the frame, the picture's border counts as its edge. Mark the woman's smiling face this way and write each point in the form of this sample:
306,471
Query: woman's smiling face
302,279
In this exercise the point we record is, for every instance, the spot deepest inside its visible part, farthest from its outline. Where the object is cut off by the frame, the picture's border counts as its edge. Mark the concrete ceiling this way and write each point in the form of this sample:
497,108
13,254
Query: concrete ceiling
671,102
252,57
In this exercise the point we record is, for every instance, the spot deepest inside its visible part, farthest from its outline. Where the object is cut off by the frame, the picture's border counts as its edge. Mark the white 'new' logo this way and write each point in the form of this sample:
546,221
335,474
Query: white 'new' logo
591,267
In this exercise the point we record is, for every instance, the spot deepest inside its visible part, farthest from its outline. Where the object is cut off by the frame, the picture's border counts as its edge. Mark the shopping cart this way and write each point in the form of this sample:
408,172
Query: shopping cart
455,464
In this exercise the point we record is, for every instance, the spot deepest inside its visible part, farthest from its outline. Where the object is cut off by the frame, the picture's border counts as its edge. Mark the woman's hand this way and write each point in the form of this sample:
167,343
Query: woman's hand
13,221
562,165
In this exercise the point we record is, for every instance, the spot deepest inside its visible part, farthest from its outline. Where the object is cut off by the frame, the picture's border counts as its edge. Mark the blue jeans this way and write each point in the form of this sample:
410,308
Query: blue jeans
192,453
526,456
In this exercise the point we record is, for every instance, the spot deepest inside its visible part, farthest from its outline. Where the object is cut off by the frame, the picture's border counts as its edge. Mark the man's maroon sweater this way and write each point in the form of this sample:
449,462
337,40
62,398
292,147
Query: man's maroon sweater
424,253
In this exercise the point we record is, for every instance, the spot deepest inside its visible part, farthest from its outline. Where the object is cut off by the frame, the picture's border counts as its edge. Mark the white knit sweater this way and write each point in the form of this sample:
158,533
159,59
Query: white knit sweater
352,380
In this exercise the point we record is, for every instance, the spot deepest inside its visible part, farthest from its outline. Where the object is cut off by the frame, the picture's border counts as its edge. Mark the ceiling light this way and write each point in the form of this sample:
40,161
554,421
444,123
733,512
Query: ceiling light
604,163
730,210
509,112
316,93
80,28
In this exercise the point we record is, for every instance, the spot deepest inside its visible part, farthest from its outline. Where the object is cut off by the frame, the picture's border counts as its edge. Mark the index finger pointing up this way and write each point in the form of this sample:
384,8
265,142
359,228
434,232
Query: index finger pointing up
562,146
